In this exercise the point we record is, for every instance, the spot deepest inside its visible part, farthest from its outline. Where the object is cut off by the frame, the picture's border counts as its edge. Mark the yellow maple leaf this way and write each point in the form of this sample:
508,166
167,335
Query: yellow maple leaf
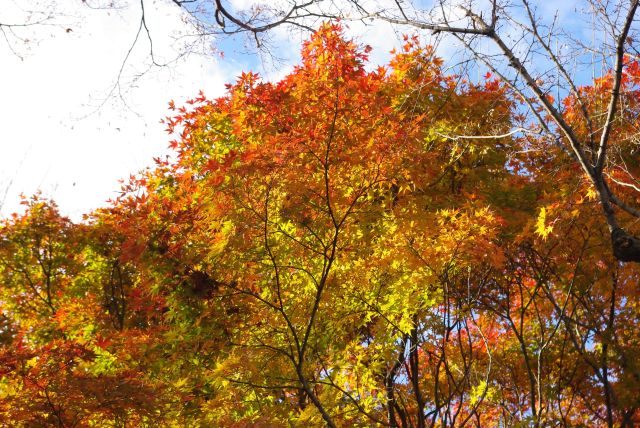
541,225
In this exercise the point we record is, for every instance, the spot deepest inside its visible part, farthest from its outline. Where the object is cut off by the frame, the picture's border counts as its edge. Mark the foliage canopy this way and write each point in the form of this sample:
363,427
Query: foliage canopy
345,247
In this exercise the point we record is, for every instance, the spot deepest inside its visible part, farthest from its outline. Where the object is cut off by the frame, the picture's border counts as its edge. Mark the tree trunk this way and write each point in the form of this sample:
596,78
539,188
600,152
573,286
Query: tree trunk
626,247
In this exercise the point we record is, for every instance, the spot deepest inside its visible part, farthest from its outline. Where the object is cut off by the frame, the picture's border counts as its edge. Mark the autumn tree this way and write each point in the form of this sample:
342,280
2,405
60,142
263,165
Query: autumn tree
349,246
336,247
56,366
525,44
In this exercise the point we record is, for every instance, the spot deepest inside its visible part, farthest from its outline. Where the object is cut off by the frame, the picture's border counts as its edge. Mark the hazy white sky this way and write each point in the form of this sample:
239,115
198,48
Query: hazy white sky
59,134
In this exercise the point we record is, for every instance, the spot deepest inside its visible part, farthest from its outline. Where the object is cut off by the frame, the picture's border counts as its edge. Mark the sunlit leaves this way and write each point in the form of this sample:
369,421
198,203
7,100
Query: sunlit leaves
542,227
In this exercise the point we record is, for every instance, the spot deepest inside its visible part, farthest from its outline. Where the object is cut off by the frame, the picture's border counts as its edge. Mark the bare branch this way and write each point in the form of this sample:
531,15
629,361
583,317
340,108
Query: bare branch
615,92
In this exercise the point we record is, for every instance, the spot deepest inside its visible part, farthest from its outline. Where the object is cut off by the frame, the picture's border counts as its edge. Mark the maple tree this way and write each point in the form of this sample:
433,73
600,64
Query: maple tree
521,41
55,366
344,247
